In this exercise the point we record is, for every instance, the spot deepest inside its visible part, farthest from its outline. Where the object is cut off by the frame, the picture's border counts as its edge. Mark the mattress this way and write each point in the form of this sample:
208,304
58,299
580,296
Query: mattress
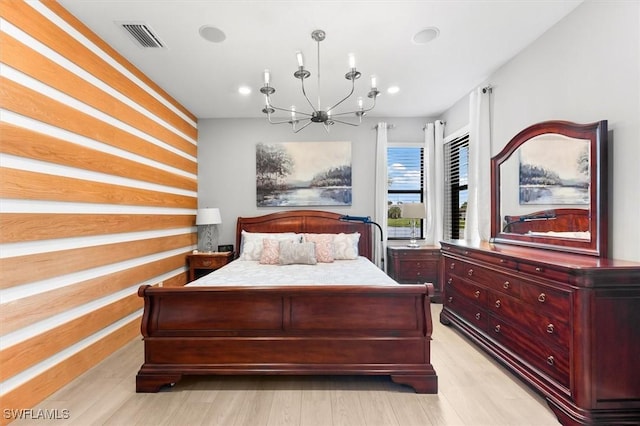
359,271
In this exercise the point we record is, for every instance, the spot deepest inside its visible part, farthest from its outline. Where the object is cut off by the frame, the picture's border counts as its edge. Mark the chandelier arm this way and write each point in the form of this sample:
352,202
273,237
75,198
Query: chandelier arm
308,122
350,124
353,87
289,110
357,111
306,97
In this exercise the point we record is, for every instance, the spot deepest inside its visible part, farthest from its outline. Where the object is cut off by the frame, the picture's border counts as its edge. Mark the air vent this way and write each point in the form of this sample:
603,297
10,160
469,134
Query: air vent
142,35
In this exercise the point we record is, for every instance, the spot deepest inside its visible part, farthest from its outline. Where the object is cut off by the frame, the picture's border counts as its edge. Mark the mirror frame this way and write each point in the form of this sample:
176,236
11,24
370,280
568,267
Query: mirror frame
596,133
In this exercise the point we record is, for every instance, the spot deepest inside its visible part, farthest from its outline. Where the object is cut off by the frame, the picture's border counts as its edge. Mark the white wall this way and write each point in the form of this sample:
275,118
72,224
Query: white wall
227,171
584,69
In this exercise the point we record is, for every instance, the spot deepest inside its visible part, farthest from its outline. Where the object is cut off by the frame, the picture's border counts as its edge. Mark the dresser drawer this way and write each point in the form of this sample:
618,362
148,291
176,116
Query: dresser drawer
551,360
417,271
483,276
472,292
555,302
470,312
544,327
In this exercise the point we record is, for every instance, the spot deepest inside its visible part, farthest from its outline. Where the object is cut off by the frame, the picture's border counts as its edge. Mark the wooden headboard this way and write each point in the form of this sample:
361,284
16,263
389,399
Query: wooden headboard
560,220
307,221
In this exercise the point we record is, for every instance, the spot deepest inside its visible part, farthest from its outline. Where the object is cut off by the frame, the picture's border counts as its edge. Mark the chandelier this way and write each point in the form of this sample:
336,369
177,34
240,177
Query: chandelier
327,116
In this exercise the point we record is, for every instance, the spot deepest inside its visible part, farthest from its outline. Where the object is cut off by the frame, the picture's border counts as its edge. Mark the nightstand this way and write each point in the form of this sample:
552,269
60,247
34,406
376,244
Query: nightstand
408,265
202,263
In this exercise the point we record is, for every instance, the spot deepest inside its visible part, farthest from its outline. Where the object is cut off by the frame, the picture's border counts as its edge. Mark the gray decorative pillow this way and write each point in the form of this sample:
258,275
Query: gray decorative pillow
297,253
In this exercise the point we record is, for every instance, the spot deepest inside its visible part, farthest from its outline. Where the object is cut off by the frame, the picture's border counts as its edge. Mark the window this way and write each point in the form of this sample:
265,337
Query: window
456,192
405,174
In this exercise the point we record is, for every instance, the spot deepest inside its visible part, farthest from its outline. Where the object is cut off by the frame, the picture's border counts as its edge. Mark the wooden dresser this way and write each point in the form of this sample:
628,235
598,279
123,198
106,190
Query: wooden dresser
567,324
409,265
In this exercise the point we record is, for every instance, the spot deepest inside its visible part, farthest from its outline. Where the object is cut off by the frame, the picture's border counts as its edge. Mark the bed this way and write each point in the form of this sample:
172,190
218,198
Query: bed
376,328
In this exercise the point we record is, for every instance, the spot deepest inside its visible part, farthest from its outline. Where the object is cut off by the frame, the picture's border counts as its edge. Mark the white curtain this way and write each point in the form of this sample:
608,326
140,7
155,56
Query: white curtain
434,182
478,224
380,196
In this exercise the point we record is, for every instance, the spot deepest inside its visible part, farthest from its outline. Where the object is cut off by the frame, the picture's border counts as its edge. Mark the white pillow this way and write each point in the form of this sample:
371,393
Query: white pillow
345,246
251,243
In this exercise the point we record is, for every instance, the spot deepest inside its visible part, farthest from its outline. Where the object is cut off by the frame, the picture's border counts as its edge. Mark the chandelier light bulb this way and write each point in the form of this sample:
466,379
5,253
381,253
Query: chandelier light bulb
352,61
293,112
373,82
300,59
267,77
360,102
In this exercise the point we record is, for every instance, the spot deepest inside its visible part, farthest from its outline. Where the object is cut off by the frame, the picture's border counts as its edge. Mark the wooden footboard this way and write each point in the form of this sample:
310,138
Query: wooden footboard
328,329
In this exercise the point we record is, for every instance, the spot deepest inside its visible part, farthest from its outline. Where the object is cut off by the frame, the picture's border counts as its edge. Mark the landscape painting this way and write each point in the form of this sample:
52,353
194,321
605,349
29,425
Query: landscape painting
555,170
297,174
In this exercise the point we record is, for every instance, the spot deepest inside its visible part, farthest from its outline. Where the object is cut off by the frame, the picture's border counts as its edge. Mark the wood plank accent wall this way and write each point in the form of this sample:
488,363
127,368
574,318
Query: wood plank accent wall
98,193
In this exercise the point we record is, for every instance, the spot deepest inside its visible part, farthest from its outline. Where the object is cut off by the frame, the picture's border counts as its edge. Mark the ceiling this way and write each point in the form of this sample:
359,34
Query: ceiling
475,38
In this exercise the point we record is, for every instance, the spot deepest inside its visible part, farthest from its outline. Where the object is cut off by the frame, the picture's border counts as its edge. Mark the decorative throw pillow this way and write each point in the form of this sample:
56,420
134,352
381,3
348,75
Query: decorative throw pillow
346,246
297,253
270,251
324,246
251,243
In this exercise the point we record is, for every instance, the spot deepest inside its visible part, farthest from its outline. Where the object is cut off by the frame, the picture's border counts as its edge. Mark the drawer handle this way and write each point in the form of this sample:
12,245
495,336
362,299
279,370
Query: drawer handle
550,328
538,269
478,316
476,293
498,303
450,280
506,285
453,265
542,298
550,360
497,328
207,263
418,273
450,299
502,260
470,273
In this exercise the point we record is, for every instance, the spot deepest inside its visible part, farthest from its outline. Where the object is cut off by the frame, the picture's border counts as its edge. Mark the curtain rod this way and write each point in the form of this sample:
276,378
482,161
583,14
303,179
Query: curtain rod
389,127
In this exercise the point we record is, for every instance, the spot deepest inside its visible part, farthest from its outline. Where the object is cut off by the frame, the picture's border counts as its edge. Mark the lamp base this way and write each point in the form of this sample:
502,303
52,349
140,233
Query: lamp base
413,244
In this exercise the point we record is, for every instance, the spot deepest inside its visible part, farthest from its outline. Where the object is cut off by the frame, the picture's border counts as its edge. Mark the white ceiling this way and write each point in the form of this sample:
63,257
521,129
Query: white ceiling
476,38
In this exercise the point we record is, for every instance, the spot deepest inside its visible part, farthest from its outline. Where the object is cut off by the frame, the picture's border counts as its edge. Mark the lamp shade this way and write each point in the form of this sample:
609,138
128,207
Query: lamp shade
413,210
208,216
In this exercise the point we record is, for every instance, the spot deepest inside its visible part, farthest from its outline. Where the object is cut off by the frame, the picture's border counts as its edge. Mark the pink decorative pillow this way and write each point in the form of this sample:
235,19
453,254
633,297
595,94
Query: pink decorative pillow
324,246
270,252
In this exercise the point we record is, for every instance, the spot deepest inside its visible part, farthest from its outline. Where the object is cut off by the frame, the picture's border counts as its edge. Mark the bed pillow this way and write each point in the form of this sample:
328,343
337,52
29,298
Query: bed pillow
324,246
270,251
345,246
297,253
251,244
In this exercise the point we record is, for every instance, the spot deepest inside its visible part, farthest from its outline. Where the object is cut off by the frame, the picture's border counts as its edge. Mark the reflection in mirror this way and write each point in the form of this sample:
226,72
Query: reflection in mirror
546,188
549,171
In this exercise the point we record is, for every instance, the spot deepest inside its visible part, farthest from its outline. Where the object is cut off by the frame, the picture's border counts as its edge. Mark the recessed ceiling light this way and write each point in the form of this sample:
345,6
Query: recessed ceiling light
244,90
393,89
426,35
212,34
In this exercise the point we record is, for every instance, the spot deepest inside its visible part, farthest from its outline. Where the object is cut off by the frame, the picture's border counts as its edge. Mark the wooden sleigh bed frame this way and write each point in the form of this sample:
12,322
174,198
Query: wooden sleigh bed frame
289,330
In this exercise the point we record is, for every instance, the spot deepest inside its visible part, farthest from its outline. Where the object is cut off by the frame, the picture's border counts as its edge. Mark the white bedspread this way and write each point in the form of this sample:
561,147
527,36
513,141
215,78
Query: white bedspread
247,272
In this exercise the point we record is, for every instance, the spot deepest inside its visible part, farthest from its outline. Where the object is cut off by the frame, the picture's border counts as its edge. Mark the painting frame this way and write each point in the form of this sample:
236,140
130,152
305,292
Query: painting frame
303,174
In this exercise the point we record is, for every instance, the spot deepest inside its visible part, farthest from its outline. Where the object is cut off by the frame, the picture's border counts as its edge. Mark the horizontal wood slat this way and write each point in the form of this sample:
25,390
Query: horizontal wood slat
38,348
177,280
33,23
30,103
29,310
28,143
43,385
22,269
20,227
25,185
30,62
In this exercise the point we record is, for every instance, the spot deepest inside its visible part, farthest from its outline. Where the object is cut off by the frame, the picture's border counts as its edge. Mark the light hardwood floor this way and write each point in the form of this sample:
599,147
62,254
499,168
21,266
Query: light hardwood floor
473,390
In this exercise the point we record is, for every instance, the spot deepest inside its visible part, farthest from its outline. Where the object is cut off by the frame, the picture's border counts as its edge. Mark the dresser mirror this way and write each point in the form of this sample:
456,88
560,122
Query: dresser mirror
548,188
